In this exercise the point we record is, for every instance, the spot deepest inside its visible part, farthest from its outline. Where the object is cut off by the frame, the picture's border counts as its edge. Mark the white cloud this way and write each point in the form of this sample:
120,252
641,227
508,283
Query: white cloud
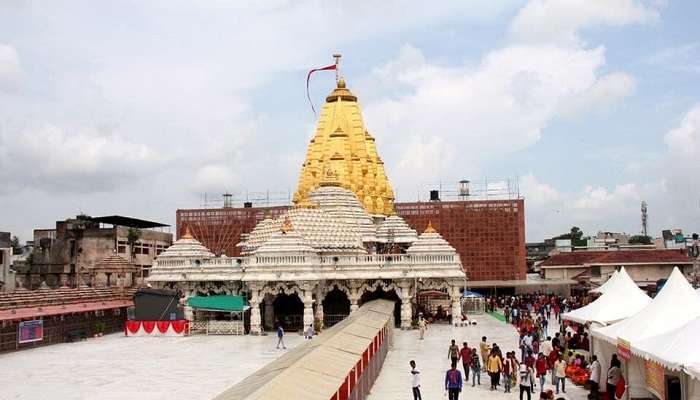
684,58
453,119
684,141
49,158
557,20
601,97
11,73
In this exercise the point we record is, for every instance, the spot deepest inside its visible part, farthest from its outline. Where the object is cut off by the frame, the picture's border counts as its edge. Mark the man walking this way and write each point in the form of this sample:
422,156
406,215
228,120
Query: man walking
453,352
560,373
422,326
485,350
453,382
280,337
476,368
525,381
594,369
466,355
415,381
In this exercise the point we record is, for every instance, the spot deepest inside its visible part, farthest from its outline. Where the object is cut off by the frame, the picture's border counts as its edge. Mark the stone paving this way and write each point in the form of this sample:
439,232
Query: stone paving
119,367
199,367
394,381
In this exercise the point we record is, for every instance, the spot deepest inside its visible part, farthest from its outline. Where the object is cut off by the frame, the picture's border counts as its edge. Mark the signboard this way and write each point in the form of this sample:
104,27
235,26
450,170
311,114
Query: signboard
30,331
623,349
654,376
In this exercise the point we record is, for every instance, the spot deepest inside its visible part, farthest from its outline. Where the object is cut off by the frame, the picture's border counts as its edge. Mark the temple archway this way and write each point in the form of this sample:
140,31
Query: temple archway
336,306
381,293
289,311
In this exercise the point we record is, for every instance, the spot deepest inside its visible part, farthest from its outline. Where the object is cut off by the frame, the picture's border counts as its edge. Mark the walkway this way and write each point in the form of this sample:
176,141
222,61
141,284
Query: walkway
430,354
118,367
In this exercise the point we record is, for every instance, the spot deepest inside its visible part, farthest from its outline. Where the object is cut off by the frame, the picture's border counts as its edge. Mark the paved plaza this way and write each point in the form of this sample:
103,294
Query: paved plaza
394,381
199,367
119,367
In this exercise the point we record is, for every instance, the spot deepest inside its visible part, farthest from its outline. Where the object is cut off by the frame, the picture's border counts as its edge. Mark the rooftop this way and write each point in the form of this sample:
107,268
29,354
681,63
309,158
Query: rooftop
620,257
128,222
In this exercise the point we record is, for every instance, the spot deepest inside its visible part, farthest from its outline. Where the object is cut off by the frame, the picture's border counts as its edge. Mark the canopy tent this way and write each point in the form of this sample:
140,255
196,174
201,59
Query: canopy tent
218,303
674,306
677,350
611,281
620,299
470,294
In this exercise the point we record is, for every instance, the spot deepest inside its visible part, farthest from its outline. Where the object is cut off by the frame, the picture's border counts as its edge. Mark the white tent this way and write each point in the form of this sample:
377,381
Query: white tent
676,305
602,288
677,350
621,299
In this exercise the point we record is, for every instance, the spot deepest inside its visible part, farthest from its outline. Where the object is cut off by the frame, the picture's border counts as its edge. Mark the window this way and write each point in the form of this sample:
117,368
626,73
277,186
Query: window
121,247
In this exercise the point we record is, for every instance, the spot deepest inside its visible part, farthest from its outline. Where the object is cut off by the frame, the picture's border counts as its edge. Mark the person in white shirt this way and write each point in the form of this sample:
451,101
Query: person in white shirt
546,346
560,373
415,381
594,369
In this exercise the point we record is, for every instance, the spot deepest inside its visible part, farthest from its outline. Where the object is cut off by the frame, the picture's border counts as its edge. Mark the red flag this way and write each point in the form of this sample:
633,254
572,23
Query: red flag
327,68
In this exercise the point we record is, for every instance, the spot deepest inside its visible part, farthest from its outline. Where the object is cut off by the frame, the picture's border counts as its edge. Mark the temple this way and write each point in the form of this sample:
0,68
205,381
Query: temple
339,246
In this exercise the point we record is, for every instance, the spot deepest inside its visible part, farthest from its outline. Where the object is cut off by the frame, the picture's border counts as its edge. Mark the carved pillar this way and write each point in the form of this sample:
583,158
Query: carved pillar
355,295
269,312
319,307
307,290
455,297
255,320
406,307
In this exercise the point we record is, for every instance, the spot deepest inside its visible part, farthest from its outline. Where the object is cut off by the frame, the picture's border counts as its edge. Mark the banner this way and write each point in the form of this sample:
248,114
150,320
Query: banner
623,349
30,331
655,378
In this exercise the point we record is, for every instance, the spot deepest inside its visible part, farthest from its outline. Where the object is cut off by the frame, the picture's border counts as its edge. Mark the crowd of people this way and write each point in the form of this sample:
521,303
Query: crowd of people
542,359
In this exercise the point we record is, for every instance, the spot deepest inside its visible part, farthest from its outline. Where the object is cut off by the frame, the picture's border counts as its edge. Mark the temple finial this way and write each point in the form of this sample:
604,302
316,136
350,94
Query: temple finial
337,57
429,228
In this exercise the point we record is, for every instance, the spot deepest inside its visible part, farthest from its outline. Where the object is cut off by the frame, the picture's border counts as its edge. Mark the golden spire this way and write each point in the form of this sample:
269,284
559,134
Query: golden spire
187,234
429,228
343,146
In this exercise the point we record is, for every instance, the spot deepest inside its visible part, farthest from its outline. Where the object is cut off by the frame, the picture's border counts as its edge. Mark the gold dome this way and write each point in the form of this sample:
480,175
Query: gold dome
342,153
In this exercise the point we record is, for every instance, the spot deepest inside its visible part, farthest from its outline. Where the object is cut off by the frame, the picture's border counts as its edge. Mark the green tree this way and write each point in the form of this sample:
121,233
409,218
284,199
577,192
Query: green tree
640,239
16,247
132,236
575,235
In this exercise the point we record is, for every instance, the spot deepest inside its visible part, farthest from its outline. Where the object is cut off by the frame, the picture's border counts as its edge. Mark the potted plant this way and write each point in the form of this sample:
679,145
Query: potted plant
99,328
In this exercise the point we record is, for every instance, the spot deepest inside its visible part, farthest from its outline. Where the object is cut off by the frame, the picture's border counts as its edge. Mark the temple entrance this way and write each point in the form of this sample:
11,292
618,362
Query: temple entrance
386,295
336,306
289,311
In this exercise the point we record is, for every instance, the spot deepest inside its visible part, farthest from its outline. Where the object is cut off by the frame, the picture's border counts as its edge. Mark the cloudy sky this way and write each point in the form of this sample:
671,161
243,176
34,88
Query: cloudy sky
139,107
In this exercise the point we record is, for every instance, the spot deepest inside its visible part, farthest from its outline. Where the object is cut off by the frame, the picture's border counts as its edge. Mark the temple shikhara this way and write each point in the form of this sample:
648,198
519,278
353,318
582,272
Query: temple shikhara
340,245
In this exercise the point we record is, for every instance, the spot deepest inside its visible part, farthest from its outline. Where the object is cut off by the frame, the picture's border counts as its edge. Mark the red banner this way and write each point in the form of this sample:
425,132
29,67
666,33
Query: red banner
163,326
308,76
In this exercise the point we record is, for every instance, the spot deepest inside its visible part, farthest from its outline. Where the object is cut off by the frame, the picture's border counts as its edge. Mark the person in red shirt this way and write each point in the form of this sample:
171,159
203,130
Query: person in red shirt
541,367
551,359
466,354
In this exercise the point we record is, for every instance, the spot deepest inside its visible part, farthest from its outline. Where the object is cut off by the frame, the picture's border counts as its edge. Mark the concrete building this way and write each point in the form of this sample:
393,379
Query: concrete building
7,276
66,255
644,266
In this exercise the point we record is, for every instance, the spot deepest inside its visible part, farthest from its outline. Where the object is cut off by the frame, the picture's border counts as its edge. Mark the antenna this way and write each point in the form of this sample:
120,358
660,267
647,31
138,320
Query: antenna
644,218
